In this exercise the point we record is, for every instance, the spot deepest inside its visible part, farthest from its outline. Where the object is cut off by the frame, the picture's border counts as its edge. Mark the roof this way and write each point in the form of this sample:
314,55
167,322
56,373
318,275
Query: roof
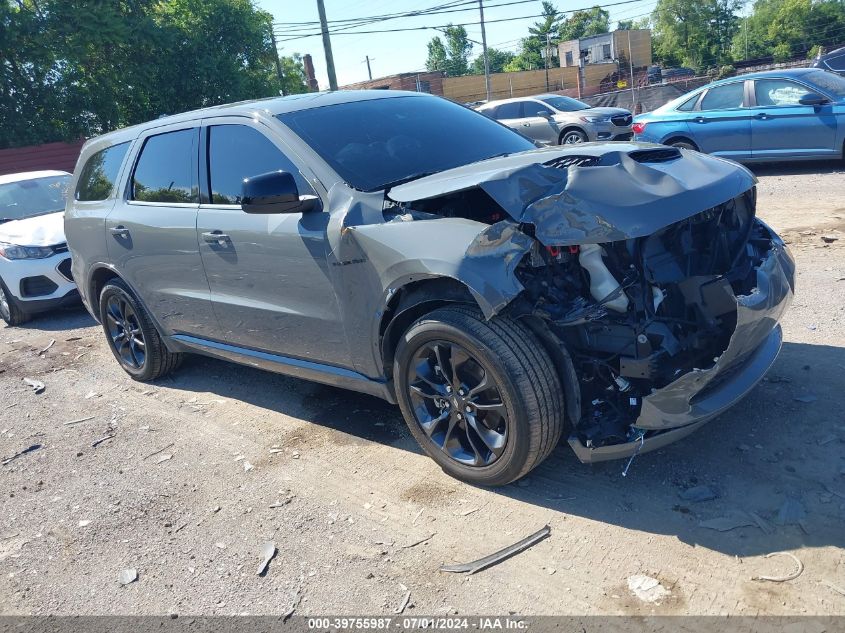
511,99
30,175
785,72
273,106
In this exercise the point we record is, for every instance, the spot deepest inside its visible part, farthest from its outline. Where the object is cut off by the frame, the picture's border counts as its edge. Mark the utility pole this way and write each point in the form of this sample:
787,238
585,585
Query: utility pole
484,49
367,61
745,25
631,63
548,38
278,64
327,45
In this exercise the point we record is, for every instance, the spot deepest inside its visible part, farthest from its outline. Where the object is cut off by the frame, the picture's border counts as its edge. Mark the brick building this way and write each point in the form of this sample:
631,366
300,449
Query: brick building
431,82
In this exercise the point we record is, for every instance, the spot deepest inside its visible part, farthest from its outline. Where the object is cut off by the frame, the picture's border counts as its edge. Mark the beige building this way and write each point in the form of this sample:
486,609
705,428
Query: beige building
607,48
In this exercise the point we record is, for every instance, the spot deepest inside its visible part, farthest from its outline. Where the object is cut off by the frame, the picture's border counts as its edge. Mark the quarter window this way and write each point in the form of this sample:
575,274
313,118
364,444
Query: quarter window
724,97
778,92
689,104
166,170
96,180
236,152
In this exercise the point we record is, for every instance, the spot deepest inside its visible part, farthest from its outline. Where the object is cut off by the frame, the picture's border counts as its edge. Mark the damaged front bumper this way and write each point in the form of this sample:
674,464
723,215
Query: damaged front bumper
681,407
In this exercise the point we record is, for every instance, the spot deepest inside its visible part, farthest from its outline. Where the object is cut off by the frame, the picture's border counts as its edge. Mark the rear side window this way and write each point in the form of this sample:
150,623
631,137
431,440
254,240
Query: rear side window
166,170
96,180
509,111
236,152
724,97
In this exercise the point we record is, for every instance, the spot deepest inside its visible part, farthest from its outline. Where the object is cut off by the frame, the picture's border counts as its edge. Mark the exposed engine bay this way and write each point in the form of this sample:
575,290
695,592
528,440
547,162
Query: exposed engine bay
637,314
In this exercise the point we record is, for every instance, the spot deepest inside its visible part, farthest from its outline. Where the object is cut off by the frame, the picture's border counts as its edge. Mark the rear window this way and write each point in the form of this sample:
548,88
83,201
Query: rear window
167,168
96,180
37,196
830,83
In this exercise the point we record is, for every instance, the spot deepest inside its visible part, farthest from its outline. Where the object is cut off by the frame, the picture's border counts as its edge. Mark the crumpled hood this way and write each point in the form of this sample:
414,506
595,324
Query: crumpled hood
620,191
42,230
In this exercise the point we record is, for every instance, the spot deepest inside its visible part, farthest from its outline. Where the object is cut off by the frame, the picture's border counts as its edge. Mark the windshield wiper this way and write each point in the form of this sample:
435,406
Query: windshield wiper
402,181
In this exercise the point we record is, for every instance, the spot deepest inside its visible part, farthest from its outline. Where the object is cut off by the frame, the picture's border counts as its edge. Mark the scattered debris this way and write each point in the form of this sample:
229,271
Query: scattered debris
416,516
163,458
405,601
30,449
468,512
829,238
247,466
419,542
220,545
787,577
268,551
501,555
37,385
791,513
79,421
646,588
84,523
91,394
296,600
698,494
806,399
105,438
727,523
161,450
281,504
49,345
128,576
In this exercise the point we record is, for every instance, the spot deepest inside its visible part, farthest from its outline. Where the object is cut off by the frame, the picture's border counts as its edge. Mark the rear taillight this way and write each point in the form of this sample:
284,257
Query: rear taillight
638,127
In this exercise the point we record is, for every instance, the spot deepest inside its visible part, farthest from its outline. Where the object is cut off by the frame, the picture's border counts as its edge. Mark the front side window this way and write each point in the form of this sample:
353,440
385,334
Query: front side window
724,97
533,108
37,196
96,180
778,92
511,110
236,152
375,144
166,169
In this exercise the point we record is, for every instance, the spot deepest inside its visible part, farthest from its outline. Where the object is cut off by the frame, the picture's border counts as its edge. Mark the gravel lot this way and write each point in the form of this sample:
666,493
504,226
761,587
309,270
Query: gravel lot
200,470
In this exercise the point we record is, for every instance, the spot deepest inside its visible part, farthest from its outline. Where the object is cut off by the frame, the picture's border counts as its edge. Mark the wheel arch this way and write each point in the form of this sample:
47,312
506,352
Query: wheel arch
100,275
571,127
675,137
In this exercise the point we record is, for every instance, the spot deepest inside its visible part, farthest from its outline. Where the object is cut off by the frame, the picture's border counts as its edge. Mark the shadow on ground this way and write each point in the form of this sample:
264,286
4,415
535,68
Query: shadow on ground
798,168
769,449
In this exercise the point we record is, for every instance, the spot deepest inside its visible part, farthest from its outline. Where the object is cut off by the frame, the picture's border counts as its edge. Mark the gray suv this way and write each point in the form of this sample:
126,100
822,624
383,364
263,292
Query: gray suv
618,295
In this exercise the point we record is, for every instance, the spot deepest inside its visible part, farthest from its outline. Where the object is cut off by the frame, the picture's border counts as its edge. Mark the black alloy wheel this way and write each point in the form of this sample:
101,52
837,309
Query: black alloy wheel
123,328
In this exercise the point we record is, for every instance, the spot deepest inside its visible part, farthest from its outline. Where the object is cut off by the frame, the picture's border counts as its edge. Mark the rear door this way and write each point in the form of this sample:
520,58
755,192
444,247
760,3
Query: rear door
268,274
782,127
151,230
510,114
721,125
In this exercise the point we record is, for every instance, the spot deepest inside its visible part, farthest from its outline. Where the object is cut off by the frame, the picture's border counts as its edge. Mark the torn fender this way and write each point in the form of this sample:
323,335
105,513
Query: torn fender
621,191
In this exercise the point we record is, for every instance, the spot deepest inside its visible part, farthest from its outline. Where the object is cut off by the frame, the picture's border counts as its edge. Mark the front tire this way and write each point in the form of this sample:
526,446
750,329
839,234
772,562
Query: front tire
131,335
9,310
572,137
481,397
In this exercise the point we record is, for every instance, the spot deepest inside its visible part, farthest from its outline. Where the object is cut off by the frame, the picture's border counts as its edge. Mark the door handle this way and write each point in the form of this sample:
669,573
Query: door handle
119,231
700,119
216,237
762,116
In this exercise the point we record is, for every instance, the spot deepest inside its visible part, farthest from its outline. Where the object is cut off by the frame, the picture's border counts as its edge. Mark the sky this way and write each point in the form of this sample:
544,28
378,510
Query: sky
406,51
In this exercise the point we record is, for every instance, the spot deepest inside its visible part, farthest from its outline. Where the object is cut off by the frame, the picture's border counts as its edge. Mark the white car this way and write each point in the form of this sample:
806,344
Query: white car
34,260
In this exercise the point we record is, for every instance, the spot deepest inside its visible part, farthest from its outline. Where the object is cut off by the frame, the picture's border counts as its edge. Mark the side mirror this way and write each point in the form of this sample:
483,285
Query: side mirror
274,192
812,99
544,114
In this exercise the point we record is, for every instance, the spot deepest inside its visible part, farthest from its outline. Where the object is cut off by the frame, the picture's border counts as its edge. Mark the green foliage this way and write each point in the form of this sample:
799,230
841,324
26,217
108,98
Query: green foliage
726,71
530,57
72,68
695,33
585,23
451,56
293,74
632,25
788,28
496,59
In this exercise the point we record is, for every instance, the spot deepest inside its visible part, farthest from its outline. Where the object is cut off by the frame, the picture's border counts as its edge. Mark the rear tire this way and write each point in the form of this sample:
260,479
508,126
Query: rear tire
9,310
131,335
481,397
683,144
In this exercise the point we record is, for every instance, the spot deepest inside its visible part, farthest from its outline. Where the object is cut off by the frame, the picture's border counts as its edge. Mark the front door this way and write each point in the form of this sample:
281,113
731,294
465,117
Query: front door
268,274
152,231
781,126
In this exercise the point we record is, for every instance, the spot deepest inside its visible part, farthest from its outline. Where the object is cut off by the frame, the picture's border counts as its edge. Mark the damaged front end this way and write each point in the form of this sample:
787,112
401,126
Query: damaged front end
651,271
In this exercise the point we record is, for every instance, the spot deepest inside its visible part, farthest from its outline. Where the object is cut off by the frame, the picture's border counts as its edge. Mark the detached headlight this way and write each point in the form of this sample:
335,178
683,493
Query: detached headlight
13,251
595,119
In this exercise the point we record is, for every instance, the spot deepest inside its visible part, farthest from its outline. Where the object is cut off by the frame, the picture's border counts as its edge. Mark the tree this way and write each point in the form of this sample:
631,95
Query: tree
72,68
632,25
695,33
293,74
453,56
585,23
497,60
546,30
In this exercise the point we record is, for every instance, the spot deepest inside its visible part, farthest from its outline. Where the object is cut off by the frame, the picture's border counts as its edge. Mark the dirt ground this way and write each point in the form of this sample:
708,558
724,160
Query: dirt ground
201,469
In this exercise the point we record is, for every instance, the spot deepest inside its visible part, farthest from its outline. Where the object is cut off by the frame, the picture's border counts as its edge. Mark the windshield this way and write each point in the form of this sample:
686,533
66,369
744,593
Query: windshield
829,82
565,104
377,143
28,198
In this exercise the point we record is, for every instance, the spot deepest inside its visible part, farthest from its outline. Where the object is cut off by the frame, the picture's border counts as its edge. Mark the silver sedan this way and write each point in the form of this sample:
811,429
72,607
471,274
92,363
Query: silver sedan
559,120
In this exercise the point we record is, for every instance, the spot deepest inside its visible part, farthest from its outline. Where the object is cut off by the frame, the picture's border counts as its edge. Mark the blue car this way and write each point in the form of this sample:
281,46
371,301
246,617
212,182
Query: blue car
796,114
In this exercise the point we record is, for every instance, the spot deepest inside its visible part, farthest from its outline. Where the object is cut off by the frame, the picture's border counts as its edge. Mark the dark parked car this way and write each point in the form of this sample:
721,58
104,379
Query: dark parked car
834,61
796,114
404,246
673,74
